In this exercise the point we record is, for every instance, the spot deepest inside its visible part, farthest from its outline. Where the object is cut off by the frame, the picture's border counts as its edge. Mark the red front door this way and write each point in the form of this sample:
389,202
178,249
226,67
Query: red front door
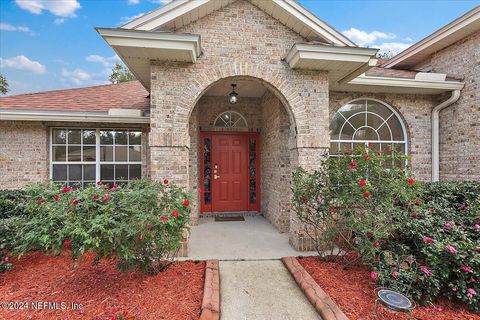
229,172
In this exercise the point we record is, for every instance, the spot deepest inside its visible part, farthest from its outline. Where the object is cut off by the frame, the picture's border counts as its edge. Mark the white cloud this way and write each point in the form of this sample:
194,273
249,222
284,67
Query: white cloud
126,19
80,77
133,1
105,61
394,47
161,1
363,38
60,8
374,39
23,63
59,21
9,27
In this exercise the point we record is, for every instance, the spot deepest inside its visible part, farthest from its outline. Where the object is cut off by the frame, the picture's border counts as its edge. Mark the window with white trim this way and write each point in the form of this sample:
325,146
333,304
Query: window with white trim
369,123
80,157
230,119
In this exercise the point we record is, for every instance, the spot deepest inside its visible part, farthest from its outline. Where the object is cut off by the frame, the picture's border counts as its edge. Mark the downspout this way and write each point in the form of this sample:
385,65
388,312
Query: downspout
436,133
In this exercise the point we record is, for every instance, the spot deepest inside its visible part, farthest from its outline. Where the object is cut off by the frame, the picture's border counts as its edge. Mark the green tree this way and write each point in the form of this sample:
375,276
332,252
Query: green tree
120,73
3,84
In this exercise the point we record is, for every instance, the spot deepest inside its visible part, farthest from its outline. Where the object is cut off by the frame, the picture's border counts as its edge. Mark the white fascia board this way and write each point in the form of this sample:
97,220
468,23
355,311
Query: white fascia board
407,83
314,23
40,115
473,16
163,15
324,53
148,39
136,23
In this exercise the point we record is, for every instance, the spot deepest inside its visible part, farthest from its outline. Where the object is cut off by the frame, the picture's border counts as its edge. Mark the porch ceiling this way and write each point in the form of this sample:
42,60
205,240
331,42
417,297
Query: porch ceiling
245,88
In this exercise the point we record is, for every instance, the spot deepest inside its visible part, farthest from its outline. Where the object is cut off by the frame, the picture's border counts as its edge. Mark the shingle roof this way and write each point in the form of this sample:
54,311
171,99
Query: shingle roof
126,95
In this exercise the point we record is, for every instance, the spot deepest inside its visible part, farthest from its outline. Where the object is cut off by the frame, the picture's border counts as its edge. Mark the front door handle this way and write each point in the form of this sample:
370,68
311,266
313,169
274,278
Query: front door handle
215,177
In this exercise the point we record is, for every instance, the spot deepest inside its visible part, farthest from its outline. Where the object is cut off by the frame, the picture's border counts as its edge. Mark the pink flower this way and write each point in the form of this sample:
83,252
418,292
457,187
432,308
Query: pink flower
66,189
332,209
395,274
465,268
57,198
40,201
367,157
476,227
106,198
115,185
373,275
175,214
164,219
427,239
376,244
411,181
366,194
95,197
66,243
378,153
417,202
448,226
186,203
426,271
363,183
99,183
471,293
352,165
74,202
451,249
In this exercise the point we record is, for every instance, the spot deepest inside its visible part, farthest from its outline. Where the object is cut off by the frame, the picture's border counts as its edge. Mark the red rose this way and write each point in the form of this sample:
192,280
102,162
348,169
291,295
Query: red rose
378,153
115,185
75,189
417,202
41,201
165,181
414,215
366,194
367,157
175,214
107,186
66,189
376,244
363,183
96,197
66,243
74,201
106,198
352,165
332,210
164,219
99,183
411,181
370,145
186,203
57,198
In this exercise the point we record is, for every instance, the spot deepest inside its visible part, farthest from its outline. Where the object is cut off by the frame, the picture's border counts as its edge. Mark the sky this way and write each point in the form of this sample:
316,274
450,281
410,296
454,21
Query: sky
52,44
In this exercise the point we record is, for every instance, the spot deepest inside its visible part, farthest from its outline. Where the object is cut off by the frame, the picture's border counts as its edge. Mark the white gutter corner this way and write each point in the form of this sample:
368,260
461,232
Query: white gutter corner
436,132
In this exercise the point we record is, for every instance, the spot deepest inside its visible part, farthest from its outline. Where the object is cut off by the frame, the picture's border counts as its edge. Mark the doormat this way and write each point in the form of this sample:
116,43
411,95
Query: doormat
231,218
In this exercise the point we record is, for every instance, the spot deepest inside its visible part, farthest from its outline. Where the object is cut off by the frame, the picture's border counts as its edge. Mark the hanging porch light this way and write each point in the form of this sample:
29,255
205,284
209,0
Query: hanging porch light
233,95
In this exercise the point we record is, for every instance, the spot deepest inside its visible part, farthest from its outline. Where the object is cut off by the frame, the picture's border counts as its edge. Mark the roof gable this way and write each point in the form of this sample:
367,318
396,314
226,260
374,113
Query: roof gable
179,13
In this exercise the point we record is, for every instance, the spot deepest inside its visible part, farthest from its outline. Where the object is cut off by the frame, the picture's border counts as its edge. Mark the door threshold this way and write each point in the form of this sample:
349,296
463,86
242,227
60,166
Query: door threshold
230,214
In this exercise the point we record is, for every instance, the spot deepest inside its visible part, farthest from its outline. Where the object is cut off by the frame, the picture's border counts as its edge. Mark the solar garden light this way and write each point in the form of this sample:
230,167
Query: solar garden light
394,301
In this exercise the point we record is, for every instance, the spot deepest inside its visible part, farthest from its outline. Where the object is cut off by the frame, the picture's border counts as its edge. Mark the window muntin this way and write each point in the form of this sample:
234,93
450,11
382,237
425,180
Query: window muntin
230,119
83,156
369,123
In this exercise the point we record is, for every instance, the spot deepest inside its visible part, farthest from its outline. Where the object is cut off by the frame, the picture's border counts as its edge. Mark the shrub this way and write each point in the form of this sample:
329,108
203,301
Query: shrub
352,202
444,239
141,225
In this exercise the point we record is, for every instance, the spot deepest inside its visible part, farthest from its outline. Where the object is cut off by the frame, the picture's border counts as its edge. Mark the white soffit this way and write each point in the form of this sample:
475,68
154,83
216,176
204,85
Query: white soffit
430,85
442,38
179,13
138,48
342,63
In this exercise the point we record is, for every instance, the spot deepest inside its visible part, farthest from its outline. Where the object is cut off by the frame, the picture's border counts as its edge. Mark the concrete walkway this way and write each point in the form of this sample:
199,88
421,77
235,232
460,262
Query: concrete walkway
254,284
263,290
254,238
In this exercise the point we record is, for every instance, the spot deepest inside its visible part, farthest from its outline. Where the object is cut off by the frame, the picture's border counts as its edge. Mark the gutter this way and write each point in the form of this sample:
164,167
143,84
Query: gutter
436,132
41,115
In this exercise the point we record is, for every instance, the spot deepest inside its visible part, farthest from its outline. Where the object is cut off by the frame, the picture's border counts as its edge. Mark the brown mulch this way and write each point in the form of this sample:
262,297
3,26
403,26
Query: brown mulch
352,290
103,292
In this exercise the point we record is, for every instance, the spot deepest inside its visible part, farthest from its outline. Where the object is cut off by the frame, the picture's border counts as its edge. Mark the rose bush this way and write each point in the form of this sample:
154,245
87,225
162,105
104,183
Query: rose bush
420,239
141,224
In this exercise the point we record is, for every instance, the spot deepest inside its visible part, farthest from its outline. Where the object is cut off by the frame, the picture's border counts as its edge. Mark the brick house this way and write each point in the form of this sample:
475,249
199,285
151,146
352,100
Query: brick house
232,95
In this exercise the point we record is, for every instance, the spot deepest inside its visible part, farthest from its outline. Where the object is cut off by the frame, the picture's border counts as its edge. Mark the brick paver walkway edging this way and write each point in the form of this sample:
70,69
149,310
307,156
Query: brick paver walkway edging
324,305
211,292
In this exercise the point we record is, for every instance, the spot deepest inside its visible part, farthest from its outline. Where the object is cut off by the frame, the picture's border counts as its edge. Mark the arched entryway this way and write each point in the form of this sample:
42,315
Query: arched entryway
241,154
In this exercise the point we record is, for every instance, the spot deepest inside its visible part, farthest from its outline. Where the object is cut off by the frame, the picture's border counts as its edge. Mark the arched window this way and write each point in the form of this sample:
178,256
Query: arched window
230,119
367,122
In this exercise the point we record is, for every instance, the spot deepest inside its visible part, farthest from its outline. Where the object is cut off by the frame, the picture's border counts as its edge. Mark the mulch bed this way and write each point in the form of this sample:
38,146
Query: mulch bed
352,291
102,290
